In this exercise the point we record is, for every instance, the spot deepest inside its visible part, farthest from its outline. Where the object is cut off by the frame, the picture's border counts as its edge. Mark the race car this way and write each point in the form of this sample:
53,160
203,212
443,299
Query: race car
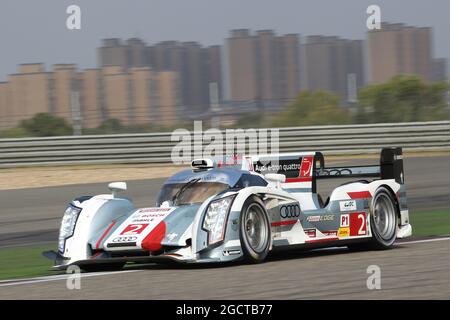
239,208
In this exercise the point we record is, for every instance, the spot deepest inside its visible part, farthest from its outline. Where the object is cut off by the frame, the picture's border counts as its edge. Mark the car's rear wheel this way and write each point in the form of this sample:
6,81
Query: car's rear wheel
383,222
383,219
255,232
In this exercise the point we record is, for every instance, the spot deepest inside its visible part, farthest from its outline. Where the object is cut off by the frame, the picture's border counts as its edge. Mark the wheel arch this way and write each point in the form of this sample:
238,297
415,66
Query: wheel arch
392,193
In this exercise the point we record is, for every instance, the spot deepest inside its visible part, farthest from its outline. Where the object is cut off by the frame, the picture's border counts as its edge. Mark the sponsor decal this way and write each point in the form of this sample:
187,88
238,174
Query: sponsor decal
345,220
326,217
313,218
310,233
353,225
142,225
148,215
124,239
358,224
347,205
143,210
132,229
344,232
290,211
289,167
306,167
330,233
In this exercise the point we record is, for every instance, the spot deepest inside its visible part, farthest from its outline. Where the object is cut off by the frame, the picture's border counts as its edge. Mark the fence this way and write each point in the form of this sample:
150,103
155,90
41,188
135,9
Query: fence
157,147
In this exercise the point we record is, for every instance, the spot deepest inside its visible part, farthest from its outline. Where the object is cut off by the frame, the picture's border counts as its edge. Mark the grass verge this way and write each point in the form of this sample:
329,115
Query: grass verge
26,262
433,223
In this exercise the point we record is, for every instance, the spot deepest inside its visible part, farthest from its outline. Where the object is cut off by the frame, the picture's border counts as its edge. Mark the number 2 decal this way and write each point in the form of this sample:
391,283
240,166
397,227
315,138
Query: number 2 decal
133,229
362,228
358,224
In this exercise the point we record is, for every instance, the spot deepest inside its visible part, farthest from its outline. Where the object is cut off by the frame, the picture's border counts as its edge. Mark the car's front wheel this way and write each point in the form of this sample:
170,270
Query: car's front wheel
255,232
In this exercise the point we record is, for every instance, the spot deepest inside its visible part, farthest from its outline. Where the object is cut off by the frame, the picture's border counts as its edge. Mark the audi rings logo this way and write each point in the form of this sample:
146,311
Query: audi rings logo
334,172
290,211
124,239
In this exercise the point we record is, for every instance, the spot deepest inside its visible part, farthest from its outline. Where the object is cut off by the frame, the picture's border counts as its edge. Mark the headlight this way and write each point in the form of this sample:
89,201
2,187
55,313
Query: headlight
67,225
216,218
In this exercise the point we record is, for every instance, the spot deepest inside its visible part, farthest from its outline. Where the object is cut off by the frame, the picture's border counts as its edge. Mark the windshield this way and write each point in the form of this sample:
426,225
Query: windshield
194,193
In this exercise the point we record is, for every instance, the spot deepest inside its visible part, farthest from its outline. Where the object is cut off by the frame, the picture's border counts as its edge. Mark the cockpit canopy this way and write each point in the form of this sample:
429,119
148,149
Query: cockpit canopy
204,184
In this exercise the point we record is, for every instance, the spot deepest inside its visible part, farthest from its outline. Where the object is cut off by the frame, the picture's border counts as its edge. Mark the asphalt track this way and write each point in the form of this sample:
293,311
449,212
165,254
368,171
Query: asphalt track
416,270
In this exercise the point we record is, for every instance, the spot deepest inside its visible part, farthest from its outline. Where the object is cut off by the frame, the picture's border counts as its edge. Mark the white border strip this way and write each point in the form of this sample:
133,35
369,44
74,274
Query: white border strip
14,282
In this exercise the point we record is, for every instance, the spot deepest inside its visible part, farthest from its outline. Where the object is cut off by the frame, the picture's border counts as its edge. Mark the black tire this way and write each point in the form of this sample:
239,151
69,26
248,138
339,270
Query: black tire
98,267
253,224
384,239
383,205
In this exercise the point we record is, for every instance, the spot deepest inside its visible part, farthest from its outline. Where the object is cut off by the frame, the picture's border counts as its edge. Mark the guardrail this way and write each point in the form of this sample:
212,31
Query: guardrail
157,147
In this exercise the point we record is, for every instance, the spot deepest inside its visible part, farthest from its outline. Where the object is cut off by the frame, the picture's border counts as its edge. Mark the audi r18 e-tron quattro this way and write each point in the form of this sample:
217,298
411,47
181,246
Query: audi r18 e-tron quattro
243,208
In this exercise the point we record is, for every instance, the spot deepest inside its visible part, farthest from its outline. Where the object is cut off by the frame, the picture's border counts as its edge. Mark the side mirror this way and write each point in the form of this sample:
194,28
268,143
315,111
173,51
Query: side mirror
115,187
278,179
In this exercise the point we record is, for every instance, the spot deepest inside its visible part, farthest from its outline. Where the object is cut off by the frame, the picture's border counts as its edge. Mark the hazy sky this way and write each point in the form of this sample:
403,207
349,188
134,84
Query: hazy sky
35,30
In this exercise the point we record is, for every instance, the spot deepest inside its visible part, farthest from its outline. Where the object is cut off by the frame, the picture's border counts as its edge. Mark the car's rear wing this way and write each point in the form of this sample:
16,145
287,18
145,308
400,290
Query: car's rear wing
390,167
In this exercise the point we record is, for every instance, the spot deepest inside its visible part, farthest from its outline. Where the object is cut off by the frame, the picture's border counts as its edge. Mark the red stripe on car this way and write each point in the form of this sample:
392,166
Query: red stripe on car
97,245
283,223
300,179
321,240
152,242
359,195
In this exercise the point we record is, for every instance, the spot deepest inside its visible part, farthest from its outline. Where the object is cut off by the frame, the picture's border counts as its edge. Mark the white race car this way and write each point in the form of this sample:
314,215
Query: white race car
222,211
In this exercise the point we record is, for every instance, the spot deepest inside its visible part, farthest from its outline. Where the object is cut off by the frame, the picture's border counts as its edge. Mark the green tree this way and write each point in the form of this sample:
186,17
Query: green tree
44,124
402,99
313,108
111,126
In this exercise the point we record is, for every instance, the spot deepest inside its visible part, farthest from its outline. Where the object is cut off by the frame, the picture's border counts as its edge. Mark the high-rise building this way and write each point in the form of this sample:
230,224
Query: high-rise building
263,67
334,64
29,92
116,92
5,105
91,98
113,53
64,83
168,98
397,49
166,56
214,61
242,66
194,78
289,68
137,53
266,64
134,96
142,81
196,66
